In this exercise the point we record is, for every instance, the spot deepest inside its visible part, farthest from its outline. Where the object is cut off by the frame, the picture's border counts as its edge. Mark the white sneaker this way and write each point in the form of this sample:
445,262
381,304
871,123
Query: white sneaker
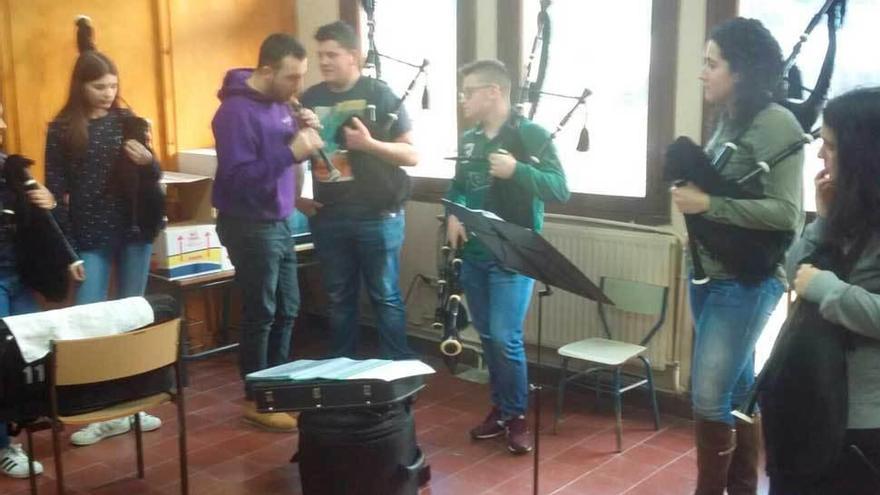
96,432
14,462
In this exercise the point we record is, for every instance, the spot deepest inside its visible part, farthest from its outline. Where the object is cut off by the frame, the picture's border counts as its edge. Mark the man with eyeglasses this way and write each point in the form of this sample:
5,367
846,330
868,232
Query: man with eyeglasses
497,174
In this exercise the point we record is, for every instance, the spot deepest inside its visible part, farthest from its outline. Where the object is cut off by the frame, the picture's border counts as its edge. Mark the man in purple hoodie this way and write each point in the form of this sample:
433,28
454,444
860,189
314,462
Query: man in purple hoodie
259,144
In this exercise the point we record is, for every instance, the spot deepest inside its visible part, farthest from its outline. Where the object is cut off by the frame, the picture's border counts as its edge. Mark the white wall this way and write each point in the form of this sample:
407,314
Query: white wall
310,15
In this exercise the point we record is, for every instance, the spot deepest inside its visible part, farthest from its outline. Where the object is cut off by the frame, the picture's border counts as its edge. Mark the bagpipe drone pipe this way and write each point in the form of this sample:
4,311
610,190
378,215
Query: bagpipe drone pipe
450,316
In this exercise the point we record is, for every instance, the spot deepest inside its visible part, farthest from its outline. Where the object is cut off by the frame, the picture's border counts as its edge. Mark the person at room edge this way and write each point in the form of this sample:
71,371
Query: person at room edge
357,218
259,148
847,208
15,299
740,71
497,298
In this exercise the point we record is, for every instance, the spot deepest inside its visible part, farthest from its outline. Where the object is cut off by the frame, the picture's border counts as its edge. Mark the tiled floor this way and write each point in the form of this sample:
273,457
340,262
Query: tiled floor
227,457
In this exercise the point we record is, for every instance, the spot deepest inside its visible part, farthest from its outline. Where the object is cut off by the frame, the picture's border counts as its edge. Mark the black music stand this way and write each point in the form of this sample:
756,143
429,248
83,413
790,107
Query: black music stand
524,251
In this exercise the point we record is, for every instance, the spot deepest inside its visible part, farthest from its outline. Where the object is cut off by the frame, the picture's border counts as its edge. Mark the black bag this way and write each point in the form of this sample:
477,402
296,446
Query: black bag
365,451
804,401
750,254
385,187
24,388
507,198
803,398
137,184
42,253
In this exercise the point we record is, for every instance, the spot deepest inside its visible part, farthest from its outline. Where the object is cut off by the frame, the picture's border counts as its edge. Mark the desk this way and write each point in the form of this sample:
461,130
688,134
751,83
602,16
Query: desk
180,288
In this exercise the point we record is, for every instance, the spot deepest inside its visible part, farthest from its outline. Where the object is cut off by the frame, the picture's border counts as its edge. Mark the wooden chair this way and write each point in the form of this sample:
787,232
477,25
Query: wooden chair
94,360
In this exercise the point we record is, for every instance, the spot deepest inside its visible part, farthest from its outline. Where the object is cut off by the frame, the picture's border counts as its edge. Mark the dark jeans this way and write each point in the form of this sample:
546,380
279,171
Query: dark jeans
852,475
349,248
265,270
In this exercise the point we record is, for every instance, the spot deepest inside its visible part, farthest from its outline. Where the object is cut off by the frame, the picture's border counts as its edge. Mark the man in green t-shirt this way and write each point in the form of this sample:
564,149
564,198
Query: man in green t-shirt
505,172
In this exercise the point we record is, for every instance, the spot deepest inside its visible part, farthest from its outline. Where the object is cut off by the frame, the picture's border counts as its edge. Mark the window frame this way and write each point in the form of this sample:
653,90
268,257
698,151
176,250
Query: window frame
654,208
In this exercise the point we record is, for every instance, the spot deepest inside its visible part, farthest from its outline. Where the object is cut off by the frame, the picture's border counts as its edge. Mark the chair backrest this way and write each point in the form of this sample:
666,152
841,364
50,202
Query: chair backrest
634,297
83,361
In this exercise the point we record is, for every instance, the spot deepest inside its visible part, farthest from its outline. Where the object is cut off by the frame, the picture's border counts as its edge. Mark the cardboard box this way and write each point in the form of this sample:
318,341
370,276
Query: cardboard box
189,245
188,249
188,197
198,161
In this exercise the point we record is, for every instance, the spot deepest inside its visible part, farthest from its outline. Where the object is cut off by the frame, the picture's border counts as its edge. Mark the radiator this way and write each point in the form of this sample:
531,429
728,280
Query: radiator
635,255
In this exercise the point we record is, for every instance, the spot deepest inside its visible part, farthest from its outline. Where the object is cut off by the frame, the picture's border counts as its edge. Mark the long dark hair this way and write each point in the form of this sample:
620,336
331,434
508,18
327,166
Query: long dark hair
90,66
854,117
754,55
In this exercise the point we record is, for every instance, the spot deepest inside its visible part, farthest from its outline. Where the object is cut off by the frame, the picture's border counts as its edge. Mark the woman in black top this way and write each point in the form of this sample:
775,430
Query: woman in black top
83,144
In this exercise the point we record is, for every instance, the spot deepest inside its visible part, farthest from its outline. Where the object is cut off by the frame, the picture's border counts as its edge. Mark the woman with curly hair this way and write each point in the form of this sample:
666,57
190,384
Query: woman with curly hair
742,66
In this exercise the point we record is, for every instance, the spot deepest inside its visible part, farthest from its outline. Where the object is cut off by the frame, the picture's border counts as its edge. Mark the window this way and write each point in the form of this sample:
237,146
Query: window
590,48
625,53
414,31
853,68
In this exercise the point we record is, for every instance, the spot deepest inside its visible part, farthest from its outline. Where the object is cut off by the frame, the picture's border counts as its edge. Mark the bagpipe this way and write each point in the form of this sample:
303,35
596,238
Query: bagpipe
295,108
386,186
450,316
807,110
42,251
802,389
751,254
138,184
504,195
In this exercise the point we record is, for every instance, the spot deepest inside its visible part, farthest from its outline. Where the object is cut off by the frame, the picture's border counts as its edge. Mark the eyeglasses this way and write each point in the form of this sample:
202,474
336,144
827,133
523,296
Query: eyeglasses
467,93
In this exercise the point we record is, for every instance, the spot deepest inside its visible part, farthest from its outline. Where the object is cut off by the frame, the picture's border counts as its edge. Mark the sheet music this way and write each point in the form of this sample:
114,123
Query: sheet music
342,369
395,370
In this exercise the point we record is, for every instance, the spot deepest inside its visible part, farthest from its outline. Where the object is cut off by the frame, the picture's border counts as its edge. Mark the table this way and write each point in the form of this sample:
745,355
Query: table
182,287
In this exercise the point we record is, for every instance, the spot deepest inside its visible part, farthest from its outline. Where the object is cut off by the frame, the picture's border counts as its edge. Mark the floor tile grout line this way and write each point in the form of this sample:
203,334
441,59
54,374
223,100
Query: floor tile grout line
655,472
615,456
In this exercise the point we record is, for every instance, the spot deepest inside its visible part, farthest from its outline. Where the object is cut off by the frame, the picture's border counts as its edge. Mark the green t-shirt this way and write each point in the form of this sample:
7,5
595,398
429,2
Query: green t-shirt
544,181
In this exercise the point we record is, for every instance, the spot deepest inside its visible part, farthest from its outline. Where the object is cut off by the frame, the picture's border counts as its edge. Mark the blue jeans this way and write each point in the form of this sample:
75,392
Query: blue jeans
15,299
729,317
264,257
132,261
497,303
349,248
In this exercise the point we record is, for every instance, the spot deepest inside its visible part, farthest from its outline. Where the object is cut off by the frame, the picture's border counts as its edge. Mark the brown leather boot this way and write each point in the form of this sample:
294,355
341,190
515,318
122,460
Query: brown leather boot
742,478
715,445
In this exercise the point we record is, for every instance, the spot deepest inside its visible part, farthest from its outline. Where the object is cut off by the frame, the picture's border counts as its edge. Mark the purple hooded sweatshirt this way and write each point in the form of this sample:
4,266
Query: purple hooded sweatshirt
252,132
